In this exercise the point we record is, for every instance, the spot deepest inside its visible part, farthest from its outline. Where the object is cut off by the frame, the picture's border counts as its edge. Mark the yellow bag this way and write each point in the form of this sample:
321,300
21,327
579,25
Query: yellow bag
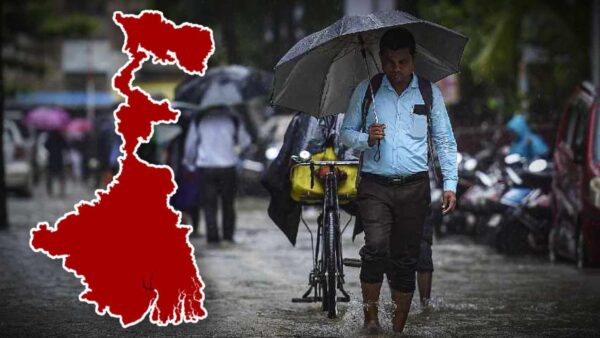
301,176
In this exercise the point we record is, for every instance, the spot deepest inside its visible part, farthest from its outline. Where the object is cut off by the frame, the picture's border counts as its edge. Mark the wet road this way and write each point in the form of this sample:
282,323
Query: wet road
250,285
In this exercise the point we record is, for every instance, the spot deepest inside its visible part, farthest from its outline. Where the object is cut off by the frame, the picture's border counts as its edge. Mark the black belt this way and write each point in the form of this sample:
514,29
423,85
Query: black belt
396,180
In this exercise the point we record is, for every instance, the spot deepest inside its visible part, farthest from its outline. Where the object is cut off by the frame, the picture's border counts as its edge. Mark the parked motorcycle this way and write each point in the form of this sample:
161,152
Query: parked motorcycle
525,208
479,181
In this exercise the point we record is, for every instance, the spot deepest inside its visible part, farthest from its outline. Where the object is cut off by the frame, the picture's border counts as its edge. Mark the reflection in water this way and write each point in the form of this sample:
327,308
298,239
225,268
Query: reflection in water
250,284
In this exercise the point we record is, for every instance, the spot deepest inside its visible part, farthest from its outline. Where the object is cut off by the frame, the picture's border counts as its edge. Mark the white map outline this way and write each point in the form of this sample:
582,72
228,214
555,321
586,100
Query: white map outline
98,192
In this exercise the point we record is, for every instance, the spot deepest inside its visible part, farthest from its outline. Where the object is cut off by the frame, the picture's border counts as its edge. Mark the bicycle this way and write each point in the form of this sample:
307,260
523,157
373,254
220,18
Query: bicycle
327,275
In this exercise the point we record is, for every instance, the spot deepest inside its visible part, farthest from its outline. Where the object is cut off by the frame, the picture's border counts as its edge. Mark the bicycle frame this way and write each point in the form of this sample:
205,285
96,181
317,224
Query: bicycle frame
325,273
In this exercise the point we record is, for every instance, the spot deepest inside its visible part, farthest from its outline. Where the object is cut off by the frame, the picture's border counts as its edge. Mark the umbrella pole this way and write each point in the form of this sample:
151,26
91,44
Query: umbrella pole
363,51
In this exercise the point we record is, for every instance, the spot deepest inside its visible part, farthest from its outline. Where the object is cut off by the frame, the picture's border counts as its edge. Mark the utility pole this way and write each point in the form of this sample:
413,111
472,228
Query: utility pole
3,207
595,50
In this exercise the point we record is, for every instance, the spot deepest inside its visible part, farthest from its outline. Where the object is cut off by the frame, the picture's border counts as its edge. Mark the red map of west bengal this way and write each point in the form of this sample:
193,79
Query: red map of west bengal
127,245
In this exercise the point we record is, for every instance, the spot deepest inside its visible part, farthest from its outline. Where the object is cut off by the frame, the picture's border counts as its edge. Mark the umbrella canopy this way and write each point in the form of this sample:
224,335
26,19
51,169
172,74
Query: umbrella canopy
77,128
223,86
47,118
319,74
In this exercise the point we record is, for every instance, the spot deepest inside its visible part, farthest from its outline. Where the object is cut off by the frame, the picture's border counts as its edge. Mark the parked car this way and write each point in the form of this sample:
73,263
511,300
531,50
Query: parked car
576,186
18,173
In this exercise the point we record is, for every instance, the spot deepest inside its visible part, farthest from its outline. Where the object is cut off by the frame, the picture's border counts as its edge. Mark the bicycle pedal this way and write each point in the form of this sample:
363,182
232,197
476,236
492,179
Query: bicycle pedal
306,300
352,262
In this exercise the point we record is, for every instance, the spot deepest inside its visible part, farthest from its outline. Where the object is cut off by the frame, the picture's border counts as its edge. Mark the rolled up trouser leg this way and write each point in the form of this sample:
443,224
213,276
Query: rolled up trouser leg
425,262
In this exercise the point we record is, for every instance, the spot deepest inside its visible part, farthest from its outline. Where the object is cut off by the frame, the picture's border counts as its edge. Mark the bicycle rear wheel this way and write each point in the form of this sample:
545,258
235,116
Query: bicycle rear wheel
321,263
331,262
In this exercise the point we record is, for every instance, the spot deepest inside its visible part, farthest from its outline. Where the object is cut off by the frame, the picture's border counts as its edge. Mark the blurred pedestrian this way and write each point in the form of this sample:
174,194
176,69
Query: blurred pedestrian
394,193
101,161
56,146
425,263
76,149
149,151
524,141
212,147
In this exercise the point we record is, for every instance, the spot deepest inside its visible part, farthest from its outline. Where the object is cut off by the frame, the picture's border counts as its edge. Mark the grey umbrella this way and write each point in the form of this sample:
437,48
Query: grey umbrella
320,72
223,86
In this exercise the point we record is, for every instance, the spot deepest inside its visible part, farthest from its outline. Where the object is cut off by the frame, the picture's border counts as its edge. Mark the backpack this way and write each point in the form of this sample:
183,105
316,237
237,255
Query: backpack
236,126
426,93
195,122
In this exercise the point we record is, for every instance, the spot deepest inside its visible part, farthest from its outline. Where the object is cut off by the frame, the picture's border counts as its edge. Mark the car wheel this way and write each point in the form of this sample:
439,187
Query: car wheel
499,238
581,252
517,239
27,189
552,256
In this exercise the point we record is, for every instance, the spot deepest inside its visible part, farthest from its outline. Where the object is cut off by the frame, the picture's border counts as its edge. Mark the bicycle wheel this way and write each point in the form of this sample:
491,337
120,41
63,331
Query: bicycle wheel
331,262
321,265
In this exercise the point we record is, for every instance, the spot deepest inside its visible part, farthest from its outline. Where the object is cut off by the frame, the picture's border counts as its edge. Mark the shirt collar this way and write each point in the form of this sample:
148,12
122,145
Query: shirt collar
414,83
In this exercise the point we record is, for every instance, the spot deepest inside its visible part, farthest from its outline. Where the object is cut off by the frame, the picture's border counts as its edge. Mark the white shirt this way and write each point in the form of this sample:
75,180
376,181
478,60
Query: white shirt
210,142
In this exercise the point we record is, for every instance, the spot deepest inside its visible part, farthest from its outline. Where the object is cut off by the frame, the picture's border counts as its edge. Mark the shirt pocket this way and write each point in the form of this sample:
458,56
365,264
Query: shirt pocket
418,126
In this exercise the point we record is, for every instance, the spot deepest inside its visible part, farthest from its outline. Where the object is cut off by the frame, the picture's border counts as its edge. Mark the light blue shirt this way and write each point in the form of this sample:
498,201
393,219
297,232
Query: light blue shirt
404,147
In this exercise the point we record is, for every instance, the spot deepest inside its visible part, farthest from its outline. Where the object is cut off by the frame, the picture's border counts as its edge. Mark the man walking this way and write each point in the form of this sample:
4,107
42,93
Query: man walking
213,146
394,194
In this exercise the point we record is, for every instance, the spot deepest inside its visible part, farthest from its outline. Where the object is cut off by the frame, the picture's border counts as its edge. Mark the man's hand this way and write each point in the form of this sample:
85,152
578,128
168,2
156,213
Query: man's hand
449,202
376,132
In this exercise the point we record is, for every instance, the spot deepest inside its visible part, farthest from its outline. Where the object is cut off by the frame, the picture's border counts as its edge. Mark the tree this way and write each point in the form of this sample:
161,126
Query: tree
254,33
3,207
26,25
500,32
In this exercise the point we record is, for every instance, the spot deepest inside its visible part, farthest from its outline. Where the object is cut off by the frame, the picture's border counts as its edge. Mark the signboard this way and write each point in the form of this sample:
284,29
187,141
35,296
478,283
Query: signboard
93,56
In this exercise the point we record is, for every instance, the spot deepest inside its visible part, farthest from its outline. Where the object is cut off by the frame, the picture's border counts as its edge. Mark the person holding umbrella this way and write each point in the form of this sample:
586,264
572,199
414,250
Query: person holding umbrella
212,147
52,120
394,195
218,133
396,119
56,145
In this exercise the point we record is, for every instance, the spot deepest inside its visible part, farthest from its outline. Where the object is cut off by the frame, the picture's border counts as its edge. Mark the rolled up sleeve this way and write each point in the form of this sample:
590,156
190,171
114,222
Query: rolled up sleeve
351,134
443,140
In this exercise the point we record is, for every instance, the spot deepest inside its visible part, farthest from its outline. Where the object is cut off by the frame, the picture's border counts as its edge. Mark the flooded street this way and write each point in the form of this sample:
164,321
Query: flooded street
249,286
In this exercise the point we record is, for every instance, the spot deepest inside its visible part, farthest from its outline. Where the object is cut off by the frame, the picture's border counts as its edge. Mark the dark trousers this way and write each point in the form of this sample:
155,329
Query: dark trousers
393,217
219,186
425,260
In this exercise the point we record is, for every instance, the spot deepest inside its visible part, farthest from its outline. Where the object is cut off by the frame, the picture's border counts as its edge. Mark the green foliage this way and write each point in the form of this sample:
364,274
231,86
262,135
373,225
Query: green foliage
252,22
38,19
74,25
28,26
500,31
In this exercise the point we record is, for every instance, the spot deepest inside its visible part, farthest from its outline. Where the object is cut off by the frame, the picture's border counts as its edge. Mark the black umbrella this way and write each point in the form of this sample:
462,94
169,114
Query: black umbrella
320,72
223,86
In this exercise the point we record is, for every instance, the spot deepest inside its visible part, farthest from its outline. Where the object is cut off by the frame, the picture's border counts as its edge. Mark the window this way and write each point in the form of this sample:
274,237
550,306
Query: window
578,136
597,135
572,116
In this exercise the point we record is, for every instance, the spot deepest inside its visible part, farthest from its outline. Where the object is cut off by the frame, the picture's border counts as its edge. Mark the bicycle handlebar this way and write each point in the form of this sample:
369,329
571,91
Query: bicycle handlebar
328,163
